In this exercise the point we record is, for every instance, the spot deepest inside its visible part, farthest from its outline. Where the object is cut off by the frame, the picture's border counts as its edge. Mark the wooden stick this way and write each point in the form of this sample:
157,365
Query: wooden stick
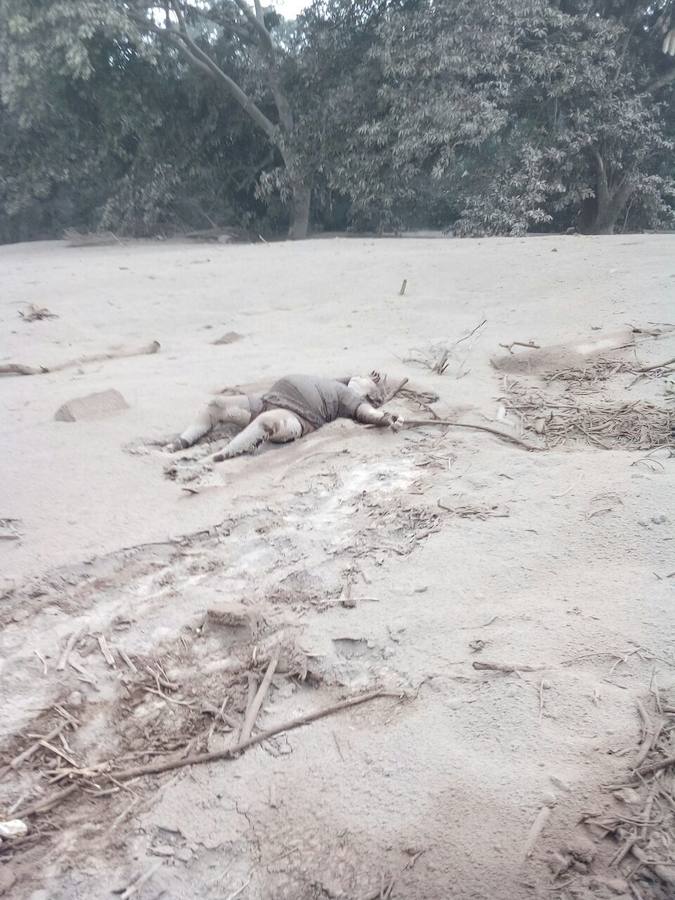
21,369
668,362
414,423
84,675
58,752
70,643
199,758
127,659
648,735
254,709
508,669
47,803
535,831
657,766
29,751
105,650
662,872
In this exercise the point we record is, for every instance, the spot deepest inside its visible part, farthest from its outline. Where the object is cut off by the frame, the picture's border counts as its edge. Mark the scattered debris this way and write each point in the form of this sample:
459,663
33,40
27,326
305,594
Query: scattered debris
638,425
635,827
537,360
193,759
34,313
529,346
404,285
92,406
438,356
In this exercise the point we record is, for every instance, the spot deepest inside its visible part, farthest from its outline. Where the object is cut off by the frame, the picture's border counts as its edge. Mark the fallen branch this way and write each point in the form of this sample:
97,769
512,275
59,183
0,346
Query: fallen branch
21,369
508,669
200,758
661,365
511,438
657,766
663,872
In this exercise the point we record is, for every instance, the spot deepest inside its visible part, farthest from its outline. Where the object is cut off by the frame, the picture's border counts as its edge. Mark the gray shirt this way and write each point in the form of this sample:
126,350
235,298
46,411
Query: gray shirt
316,400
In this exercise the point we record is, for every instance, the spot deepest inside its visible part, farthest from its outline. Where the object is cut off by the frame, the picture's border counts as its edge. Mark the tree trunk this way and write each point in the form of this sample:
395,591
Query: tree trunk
609,201
300,204
610,207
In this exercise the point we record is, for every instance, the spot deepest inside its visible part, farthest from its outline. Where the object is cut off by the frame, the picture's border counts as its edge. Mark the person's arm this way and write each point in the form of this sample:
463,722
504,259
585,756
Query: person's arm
368,415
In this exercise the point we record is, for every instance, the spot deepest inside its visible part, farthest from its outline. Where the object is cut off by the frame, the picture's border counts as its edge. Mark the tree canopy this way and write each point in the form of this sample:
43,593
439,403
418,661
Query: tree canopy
481,116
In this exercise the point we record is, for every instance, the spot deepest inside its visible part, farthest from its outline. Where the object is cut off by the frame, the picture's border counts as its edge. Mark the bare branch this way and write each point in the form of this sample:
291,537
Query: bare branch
182,40
203,61
218,17
258,24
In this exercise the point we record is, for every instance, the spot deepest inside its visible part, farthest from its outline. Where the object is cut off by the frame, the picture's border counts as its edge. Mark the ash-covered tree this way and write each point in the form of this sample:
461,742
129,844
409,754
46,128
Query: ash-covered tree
525,113
239,48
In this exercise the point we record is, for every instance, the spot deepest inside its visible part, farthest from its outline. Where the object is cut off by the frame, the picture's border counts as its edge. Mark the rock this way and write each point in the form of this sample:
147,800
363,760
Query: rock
91,406
230,337
13,828
75,699
232,614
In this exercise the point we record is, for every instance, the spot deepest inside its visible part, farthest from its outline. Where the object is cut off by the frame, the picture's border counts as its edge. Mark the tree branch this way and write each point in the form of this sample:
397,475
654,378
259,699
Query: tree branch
185,43
213,15
182,40
194,52
258,24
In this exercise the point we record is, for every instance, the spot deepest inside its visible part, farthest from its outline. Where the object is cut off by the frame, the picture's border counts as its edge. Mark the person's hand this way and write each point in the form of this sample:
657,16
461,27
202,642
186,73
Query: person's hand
393,421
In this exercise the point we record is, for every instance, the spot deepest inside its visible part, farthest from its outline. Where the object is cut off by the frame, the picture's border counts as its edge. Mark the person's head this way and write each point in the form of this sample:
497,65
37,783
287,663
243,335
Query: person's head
366,387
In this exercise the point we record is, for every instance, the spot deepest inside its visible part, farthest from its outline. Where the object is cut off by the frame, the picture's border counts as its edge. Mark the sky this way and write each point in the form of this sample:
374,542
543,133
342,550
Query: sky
290,8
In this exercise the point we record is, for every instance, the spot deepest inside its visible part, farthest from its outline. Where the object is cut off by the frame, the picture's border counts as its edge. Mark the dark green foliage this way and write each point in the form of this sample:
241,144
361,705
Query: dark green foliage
484,116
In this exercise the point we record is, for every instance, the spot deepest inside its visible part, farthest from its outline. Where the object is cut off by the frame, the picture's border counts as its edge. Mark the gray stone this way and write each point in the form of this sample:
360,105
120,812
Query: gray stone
92,406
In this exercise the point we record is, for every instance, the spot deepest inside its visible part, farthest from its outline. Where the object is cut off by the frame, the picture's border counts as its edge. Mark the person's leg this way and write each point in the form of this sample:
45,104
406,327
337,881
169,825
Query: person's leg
235,410
276,425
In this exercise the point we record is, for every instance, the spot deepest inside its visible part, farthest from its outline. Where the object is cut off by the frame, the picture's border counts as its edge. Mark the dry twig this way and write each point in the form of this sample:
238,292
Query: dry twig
21,369
201,758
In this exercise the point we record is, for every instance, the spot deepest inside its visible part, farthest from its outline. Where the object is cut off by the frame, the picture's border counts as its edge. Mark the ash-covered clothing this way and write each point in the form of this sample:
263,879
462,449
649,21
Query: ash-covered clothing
315,400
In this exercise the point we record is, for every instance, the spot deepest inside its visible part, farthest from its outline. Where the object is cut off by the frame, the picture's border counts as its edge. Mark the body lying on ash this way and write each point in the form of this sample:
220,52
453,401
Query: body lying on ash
293,406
